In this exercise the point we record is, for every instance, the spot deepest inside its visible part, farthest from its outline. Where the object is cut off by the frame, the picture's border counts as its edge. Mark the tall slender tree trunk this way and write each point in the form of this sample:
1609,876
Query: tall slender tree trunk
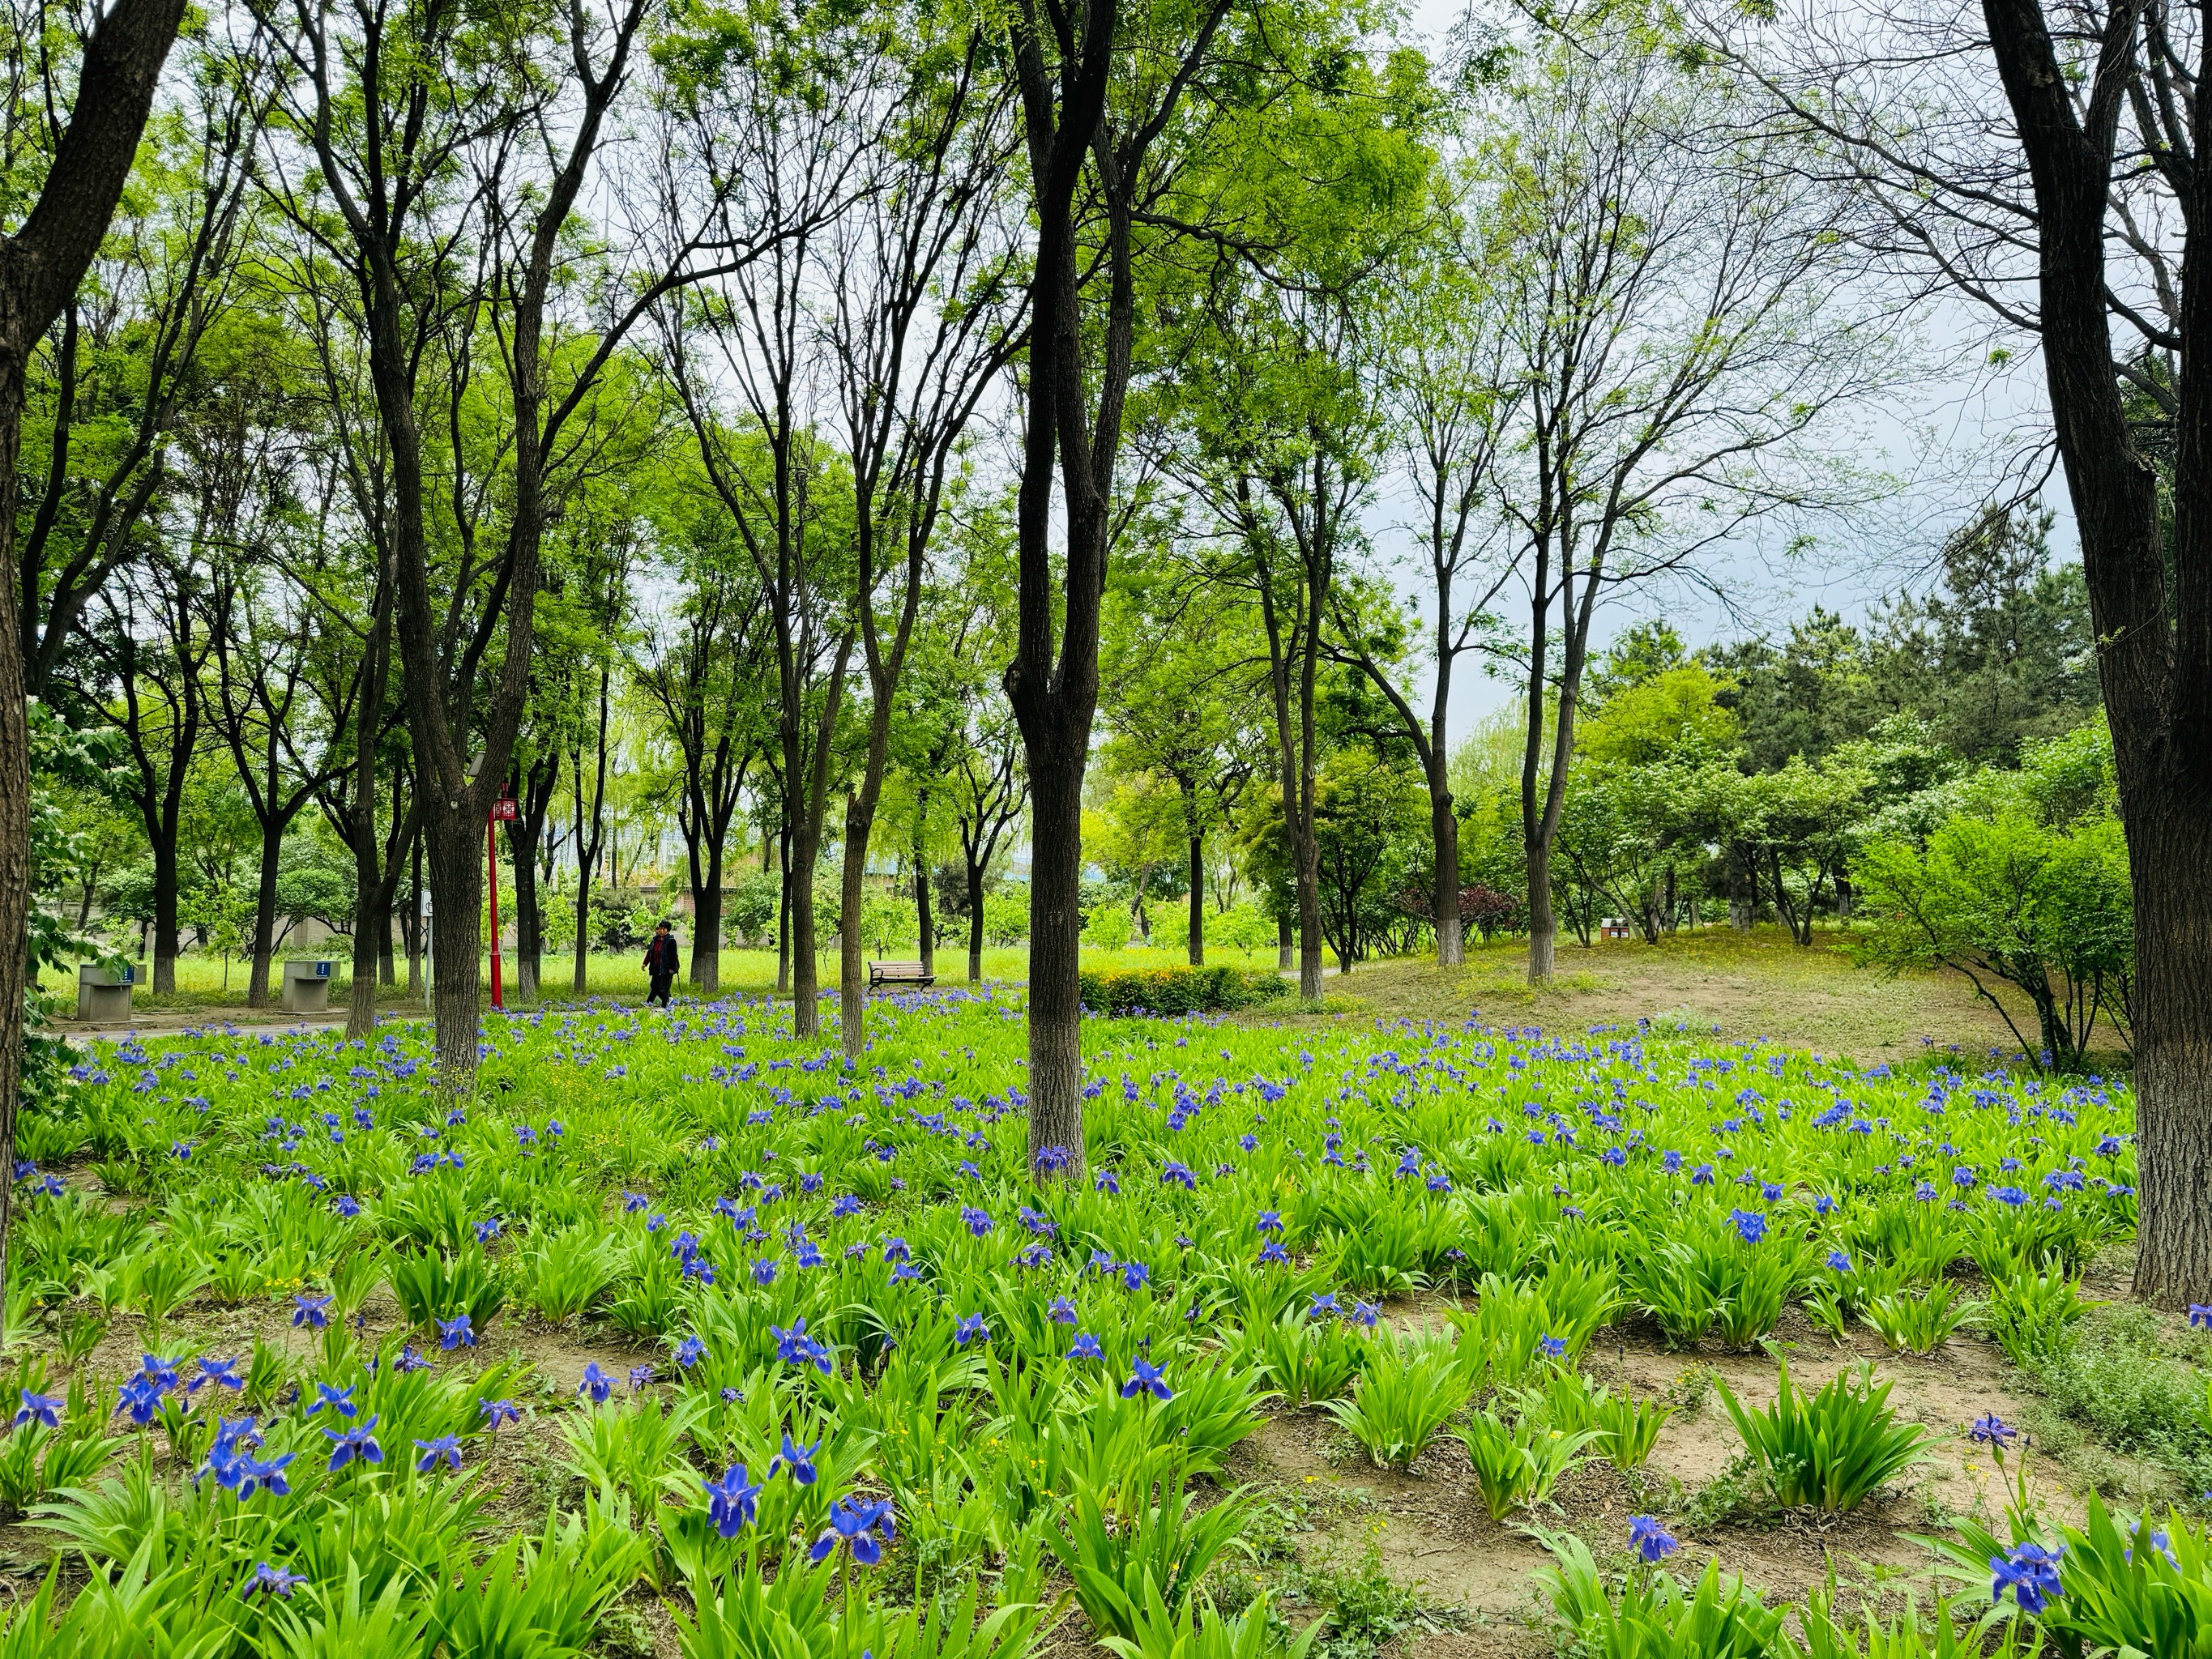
1285,944
1443,835
165,915
529,922
852,952
372,880
975,923
412,927
264,915
1198,898
706,923
454,847
783,917
925,923
806,962
1055,1072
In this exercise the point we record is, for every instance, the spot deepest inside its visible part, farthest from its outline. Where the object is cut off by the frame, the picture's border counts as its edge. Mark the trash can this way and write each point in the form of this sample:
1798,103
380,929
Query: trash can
104,994
307,986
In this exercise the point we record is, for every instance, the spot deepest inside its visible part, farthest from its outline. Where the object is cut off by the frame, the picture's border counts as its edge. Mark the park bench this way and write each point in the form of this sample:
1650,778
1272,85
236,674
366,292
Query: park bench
900,973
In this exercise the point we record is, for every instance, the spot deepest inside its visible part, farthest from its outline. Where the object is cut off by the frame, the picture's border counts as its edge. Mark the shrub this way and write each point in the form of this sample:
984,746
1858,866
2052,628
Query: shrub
1107,925
1833,1448
1178,991
1246,927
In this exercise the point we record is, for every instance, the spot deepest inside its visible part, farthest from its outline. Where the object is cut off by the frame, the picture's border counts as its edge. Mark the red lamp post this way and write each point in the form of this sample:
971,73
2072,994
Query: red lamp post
502,811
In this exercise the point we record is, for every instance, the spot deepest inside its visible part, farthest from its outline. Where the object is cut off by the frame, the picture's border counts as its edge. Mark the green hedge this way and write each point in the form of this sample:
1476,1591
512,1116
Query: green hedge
1178,991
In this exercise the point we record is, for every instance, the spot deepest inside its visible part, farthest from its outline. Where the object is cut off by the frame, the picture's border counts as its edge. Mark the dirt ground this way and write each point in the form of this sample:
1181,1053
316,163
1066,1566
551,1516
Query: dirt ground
1717,980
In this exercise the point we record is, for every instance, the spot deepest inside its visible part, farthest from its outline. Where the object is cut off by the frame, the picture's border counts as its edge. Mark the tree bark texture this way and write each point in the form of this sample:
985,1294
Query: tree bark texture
40,267
2154,658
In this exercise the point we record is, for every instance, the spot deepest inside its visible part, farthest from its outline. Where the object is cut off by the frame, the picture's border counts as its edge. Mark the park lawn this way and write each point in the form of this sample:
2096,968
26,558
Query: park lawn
209,1183
1717,981
201,981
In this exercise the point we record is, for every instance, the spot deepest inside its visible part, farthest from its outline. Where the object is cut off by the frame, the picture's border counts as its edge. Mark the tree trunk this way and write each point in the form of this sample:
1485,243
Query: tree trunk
805,968
1198,899
975,924
925,923
1283,943
387,969
1307,846
2170,846
860,825
264,915
165,915
1055,1070
783,917
39,268
852,895
1443,835
706,925
412,927
1543,925
529,924
455,850
583,930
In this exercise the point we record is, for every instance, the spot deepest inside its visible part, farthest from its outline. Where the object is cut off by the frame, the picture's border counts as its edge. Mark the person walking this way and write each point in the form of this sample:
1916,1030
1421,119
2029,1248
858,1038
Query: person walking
660,959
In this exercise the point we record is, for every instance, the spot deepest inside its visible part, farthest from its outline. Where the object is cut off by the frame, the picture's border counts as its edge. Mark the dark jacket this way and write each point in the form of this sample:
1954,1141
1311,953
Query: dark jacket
660,954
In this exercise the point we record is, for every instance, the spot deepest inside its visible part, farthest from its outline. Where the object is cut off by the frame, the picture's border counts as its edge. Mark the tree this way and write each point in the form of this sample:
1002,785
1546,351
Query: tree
151,644
2064,199
534,780
1097,95
126,364
703,685
597,589
777,473
287,749
2002,652
989,792
1366,805
2025,883
1679,322
420,131
922,325
1453,404
1805,696
41,263
1284,426
1183,702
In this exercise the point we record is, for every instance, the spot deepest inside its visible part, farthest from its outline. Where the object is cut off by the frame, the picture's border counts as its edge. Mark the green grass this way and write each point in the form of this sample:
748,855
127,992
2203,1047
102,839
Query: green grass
200,978
704,1193
1711,982
2124,1375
